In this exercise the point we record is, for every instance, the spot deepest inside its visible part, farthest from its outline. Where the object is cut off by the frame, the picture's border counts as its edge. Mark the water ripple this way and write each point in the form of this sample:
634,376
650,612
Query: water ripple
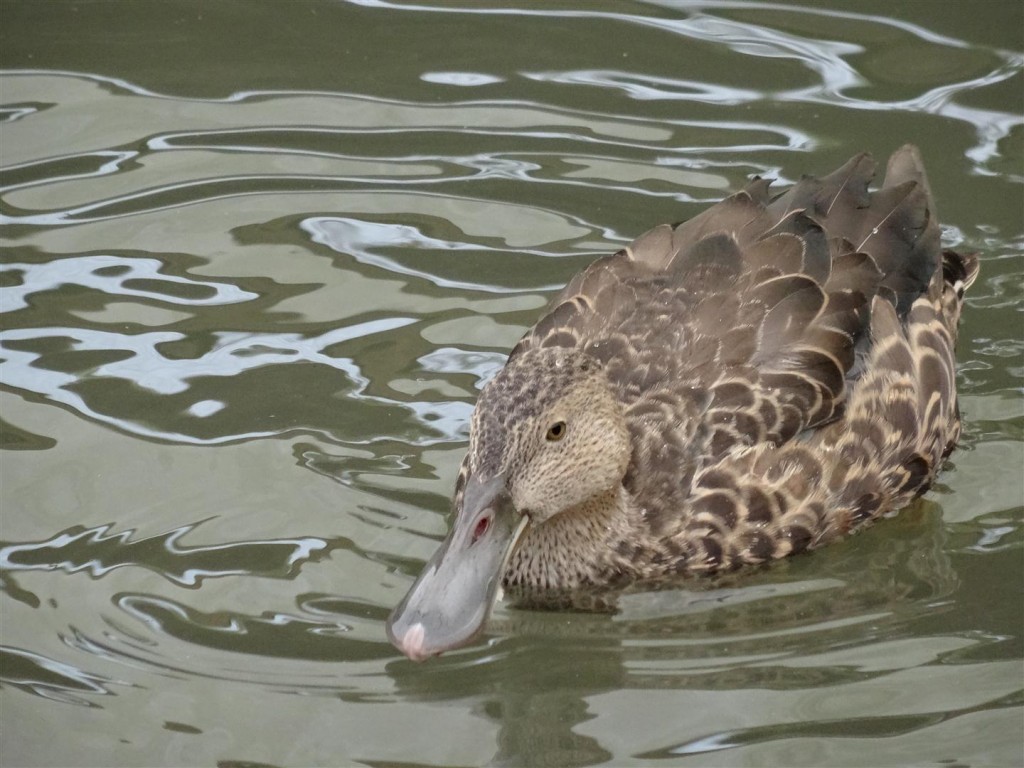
359,238
344,269
115,275
51,679
139,361
652,87
883,727
284,635
97,551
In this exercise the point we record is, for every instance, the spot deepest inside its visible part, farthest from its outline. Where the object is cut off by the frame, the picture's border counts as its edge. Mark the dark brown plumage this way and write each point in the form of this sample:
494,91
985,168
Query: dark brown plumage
757,381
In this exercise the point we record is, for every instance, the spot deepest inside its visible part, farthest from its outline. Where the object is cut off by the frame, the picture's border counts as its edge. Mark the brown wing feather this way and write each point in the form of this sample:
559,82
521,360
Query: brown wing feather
902,416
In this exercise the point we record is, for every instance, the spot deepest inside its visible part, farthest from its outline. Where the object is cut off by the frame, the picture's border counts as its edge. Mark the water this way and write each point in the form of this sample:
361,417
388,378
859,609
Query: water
257,261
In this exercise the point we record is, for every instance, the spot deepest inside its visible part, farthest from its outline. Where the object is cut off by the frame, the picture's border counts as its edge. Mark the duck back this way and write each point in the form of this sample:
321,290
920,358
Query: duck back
786,362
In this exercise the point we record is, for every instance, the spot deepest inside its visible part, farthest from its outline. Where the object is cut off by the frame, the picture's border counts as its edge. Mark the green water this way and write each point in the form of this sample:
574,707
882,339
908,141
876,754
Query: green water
258,258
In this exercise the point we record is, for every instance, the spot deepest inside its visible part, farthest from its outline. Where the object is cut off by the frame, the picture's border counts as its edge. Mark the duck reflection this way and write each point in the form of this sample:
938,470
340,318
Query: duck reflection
541,674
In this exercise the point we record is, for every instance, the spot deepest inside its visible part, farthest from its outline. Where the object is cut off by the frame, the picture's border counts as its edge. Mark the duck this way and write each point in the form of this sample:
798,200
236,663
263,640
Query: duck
756,382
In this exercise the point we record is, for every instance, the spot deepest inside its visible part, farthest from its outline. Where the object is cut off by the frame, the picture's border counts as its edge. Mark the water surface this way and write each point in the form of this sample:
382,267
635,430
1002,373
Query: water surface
258,259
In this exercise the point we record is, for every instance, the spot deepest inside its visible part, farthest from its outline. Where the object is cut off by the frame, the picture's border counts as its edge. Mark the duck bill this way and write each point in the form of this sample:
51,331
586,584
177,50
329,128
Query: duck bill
450,601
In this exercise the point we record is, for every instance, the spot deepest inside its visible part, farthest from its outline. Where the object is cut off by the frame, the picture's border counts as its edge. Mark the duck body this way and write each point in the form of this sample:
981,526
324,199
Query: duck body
752,383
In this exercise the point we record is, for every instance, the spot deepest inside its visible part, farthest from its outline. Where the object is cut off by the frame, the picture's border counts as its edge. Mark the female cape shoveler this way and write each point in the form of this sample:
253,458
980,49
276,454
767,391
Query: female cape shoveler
757,381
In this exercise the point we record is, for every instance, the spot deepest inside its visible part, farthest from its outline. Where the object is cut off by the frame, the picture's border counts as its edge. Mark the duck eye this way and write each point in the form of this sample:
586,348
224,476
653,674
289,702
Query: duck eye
556,431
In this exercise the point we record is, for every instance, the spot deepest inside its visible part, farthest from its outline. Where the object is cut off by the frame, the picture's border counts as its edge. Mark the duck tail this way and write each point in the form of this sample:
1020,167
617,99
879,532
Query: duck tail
903,417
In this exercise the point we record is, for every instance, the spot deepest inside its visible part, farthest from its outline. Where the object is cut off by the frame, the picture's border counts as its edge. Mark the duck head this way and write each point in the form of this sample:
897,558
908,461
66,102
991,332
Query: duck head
548,435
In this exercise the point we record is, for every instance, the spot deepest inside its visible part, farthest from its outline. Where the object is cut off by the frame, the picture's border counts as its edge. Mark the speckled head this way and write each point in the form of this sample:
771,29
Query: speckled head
548,435
550,424
527,388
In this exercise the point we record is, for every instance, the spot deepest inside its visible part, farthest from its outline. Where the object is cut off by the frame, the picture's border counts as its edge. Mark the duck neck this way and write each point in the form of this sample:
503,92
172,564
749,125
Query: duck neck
575,547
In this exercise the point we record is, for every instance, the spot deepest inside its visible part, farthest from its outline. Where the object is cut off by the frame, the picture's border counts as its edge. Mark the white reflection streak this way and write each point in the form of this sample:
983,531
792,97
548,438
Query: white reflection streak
127,603
83,271
570,118
650,87
105,169
53,689
13,114
462,79
147,368
301,551
354,237
670,24
826,58
575,119
822,56
486,165
482,365
125,85
76,215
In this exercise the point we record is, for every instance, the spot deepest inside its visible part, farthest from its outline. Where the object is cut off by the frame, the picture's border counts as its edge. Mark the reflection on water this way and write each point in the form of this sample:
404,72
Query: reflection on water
97,552
139,360
115,275
33,673
245,317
